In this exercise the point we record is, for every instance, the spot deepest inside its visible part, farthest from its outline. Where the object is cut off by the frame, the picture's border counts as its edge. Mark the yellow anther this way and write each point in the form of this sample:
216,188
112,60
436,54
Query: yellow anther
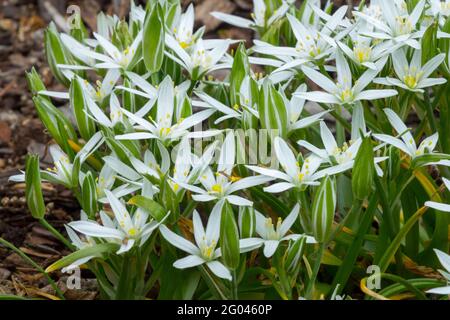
217,188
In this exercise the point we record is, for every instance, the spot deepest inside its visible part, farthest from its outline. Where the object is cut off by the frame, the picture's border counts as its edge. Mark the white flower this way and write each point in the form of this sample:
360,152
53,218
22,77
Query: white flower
437,205
440,10
183,30
293,175
162,128
113,58
258,15
222,184
344,91
413,76
200,59
313,43
397,25
204,250
272,236
98,93
340,158
125,229
79,243
406,143
445,261
365,52
63,169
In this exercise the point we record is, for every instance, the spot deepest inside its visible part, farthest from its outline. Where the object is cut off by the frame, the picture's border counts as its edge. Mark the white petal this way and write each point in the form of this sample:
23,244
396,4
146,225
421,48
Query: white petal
219,270
270,246
178,241
188,262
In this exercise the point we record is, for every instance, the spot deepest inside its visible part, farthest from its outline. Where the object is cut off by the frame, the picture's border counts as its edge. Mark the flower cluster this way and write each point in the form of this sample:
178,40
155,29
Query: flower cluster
154,151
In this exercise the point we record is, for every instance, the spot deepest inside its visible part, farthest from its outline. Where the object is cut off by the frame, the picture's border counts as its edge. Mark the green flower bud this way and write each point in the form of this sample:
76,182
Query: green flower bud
229,237
363,170
323,209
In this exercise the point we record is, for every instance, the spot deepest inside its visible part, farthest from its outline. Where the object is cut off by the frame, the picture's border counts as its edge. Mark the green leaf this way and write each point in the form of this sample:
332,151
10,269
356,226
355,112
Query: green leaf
33,190
153,39
35,83
56,53
154,208
95,251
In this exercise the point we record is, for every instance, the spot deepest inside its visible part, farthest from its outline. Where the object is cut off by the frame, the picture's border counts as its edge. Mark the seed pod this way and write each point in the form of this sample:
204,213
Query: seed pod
229,237
363,170
324,206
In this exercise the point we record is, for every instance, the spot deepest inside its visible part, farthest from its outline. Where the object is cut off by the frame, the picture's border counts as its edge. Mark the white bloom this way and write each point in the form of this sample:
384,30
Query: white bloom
271,236
124,229
406,143
397,25
293,175
113,58
437,205
340,158
200,59
222,184
163,127
445,261
344,91
204,250
63,167
413,76
258,15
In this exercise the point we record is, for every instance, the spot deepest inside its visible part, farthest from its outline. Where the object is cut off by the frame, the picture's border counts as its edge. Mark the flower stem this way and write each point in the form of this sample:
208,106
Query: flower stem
56,233
315,271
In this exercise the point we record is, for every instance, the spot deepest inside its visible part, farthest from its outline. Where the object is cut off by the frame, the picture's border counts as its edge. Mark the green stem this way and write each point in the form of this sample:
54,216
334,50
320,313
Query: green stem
315,271
395,244
305,212
56,233
34,264
212,284
234,291
346,267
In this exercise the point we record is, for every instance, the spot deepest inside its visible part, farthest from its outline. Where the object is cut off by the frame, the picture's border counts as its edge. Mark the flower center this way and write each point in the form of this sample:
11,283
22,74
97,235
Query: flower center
362,54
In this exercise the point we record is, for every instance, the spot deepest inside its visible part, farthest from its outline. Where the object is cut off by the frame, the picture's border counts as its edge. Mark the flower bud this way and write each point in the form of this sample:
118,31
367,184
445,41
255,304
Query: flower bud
229,238
247,222
33,190
363,170
323,209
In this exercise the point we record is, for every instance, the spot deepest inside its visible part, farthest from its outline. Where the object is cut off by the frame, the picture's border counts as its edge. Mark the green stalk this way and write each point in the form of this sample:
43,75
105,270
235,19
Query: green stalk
349,261
215,287
57,234
234,283
395,244
315,271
